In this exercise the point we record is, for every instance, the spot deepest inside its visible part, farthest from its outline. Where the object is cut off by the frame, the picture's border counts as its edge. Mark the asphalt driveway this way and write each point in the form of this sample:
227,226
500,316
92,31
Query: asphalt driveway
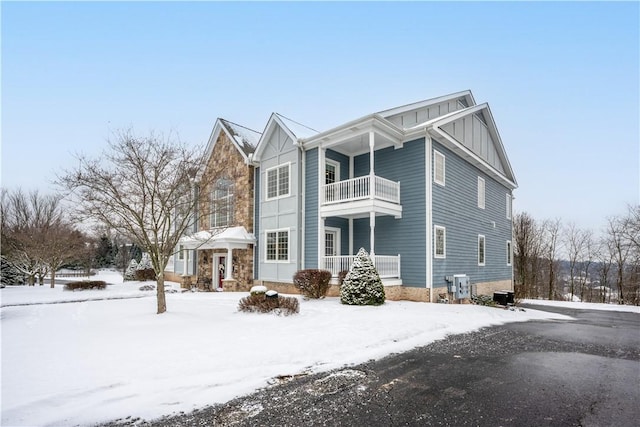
584,372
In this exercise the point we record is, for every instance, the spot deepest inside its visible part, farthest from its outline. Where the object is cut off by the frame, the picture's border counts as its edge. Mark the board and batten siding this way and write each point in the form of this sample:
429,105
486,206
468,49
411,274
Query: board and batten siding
280,213
421,115
455,207
404,236
474,134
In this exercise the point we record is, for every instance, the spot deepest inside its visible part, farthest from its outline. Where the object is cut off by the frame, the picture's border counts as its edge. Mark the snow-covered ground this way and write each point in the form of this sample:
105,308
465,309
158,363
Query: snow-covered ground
584,305
107,355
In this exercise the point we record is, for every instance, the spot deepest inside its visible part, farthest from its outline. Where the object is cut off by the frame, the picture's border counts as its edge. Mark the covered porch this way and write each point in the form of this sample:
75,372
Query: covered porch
352,187
217,247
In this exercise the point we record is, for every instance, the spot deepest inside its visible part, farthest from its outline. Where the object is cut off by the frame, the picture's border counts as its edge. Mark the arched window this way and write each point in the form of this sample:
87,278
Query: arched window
222,203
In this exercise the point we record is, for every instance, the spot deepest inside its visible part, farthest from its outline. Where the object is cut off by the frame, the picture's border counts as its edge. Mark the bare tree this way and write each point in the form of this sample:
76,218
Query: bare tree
551,238
579,247
620,249
141,188
28,220
526,234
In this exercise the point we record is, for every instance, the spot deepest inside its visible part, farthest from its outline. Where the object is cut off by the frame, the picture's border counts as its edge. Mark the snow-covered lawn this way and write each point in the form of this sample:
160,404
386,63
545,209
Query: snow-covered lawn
584,305
98,358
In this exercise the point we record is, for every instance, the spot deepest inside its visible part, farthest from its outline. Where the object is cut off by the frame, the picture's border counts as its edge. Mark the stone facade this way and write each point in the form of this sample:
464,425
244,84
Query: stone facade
226,162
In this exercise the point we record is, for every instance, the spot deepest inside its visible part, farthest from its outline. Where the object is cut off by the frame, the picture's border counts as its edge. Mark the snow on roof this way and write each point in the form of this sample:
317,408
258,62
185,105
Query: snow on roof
247,139
298,129
218,238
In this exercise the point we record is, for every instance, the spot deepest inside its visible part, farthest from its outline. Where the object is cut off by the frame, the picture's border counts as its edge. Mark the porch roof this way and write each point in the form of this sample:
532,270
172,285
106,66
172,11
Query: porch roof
227,238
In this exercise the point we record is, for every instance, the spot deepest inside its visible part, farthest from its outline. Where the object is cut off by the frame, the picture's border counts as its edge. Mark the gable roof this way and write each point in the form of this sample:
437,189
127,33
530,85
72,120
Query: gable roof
243,138
488,153
295,130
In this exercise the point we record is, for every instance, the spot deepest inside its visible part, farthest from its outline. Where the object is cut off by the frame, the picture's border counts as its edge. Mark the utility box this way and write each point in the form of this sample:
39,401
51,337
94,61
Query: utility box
462,287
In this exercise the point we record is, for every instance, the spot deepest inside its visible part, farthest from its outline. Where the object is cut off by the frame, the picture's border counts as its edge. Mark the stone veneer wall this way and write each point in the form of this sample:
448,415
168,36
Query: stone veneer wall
226,161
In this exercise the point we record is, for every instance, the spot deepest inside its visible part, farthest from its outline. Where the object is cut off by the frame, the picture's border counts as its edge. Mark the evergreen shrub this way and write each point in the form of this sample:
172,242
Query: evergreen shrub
362,285
312,283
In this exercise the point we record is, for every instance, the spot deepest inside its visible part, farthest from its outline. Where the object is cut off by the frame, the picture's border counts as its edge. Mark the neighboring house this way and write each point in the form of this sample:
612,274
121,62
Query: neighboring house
220,251
426,188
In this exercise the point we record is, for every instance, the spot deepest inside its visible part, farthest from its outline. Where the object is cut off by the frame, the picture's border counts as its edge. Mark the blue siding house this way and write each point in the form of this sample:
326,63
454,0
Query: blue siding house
425,188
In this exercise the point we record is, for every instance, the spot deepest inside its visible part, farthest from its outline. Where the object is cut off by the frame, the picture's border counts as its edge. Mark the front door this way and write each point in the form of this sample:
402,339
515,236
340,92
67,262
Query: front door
220,265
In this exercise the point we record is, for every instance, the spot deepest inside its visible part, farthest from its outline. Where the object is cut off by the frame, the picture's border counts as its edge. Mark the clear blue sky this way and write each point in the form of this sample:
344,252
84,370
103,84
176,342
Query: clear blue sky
562,80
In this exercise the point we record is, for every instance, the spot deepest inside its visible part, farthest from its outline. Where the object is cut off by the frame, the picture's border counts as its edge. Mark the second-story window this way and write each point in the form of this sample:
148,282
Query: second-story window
438,167
481,190
278,181
222,203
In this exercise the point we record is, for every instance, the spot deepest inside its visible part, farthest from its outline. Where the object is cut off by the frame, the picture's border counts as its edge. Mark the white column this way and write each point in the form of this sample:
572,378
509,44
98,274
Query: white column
185,262
371,170
351,236
372,233
321,242
229,267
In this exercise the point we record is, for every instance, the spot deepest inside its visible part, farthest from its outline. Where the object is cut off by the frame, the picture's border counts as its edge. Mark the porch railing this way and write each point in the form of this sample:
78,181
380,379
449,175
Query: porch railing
388,266
360,188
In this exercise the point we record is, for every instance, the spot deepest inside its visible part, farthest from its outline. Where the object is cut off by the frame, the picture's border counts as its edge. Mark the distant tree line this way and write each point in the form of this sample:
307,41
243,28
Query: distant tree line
562,261
39,238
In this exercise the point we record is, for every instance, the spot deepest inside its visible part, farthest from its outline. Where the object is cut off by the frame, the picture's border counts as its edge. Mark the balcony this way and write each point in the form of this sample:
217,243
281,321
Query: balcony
357,197
388,266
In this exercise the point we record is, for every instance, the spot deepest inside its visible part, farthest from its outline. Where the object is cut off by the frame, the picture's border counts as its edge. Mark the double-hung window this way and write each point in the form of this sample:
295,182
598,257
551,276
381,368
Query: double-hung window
277,242
481,249
278,181
440,242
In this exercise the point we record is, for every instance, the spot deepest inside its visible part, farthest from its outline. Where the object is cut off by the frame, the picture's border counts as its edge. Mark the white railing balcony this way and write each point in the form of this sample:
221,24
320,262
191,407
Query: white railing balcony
361,188
388,266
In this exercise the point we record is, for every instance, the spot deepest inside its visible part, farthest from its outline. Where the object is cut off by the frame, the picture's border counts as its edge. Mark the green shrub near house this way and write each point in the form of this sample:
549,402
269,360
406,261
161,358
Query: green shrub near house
362,285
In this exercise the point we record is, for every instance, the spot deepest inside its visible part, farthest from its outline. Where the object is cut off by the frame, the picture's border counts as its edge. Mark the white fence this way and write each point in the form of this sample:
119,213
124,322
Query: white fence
388,266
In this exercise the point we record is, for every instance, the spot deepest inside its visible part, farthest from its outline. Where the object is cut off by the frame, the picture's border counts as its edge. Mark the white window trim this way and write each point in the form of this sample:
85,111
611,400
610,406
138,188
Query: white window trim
266,254
509,253
484,249
482,191
266,180
437,154
435,240
336,165
509,205
230,205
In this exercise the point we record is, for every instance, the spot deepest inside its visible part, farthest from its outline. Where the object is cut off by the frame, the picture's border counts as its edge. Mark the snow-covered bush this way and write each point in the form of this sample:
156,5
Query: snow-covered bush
362,285
144,270
262,303
130,274
312,283
258,290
